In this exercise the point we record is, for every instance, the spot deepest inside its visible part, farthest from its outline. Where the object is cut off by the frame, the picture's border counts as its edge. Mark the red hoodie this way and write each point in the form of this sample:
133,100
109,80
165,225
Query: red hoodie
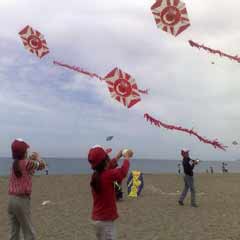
112,164
104,203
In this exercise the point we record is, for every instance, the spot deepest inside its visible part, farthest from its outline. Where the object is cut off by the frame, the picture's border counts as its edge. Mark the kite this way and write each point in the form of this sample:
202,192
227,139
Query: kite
121,85
34,41
135,184
171,16
214,51
234,143
159,124
109,138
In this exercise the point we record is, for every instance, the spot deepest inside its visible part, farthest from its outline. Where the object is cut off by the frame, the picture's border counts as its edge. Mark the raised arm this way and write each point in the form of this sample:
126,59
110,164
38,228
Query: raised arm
114,162
35,162
119,174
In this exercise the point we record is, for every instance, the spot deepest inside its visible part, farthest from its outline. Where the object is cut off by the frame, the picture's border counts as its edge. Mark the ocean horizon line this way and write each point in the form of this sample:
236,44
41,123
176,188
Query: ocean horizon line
141,158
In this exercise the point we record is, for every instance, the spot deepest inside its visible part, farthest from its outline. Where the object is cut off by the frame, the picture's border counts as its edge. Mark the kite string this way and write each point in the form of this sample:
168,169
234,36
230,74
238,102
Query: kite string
214,51
92,75
159,124
78,69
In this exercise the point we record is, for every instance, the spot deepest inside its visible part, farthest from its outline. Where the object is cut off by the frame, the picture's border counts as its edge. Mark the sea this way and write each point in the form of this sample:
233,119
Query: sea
67,166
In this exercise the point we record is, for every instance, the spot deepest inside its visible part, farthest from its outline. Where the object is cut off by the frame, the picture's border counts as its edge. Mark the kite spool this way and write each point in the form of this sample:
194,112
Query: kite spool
127,151
124,151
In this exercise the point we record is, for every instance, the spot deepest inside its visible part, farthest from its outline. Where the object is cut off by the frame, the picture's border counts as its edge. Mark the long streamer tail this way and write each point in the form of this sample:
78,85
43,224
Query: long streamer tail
78,69
214,51
159,124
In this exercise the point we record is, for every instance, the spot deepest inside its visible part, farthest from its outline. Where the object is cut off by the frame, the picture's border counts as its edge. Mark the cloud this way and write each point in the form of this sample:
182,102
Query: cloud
62,113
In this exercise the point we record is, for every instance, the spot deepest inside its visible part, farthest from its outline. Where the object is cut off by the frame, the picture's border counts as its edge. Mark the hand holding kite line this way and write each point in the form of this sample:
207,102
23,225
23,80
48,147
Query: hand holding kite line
159,124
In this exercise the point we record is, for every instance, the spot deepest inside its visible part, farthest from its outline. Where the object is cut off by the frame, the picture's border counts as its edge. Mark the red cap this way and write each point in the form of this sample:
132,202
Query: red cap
96,155
19,146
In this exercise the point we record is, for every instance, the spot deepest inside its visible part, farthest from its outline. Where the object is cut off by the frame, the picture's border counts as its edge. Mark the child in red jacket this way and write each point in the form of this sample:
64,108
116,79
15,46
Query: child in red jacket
20,189
104,201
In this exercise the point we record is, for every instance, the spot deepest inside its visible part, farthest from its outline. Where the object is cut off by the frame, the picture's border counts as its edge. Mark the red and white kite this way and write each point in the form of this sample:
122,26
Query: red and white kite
123,87
34,41
171,16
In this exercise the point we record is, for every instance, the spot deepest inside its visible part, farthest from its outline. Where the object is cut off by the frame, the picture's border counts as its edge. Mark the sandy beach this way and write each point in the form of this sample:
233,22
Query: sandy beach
153,216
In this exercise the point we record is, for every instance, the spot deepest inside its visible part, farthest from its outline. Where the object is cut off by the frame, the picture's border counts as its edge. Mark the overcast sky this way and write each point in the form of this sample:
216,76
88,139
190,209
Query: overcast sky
63,113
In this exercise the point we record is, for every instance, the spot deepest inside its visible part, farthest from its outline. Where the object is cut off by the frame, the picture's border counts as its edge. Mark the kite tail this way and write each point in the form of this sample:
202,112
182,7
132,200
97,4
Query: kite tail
78,69
158,123
214,51
193,44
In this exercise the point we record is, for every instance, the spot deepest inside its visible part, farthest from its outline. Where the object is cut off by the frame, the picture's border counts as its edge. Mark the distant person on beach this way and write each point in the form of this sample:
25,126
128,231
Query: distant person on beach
104,211
188,166
46,169
211,170
20,189
224,167
179,169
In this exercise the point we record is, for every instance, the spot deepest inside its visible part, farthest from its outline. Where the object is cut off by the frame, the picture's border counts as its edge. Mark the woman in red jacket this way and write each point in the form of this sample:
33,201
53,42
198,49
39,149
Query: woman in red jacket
104,200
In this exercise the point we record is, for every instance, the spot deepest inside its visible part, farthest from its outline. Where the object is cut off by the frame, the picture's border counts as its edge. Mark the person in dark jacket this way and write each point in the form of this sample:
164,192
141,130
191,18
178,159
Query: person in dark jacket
188,166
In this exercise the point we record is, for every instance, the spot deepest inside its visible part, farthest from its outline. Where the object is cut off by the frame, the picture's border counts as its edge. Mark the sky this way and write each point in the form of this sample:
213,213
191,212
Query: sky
61,113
